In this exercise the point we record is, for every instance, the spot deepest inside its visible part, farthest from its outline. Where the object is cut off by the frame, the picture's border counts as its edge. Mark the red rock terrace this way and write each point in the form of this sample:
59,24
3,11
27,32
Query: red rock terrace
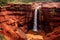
17,20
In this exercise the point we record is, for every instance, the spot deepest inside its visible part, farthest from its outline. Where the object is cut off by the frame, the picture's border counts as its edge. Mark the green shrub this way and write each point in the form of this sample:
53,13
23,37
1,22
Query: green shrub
2,37
3,2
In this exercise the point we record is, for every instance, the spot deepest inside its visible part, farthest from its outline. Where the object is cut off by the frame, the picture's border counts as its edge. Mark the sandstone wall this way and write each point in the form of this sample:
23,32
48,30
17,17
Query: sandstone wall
14,20
20,16
51,19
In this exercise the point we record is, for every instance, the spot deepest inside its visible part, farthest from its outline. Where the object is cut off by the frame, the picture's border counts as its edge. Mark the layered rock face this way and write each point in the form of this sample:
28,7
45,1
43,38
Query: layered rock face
14,20
17,19
50,19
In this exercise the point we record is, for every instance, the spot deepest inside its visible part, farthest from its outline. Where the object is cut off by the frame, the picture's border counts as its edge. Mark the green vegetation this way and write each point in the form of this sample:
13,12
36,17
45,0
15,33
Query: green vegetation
30,1
2,37
3,2
56,0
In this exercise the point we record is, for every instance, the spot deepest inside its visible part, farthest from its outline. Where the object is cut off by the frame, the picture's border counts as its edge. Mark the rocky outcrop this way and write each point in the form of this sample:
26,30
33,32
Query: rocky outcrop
17,19
51,19
55,35
14,21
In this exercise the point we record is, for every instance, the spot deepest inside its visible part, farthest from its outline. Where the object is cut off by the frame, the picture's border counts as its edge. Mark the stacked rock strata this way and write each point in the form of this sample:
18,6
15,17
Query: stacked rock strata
13,21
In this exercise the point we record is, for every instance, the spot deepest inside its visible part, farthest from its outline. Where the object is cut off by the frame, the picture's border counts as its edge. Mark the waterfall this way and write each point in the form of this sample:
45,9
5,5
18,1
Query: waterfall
35,21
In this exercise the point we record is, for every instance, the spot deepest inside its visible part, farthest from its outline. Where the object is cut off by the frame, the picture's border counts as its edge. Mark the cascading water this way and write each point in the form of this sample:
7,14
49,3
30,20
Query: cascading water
35,20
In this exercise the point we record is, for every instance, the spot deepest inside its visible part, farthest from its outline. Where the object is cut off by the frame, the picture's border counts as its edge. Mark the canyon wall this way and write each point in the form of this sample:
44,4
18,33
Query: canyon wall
51,19
14,17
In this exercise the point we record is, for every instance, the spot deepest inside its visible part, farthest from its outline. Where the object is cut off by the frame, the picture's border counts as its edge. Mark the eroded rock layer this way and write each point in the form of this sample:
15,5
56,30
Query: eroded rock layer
17,19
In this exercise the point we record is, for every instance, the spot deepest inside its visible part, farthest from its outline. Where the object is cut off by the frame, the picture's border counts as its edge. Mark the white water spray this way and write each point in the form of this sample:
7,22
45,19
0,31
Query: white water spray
35,19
